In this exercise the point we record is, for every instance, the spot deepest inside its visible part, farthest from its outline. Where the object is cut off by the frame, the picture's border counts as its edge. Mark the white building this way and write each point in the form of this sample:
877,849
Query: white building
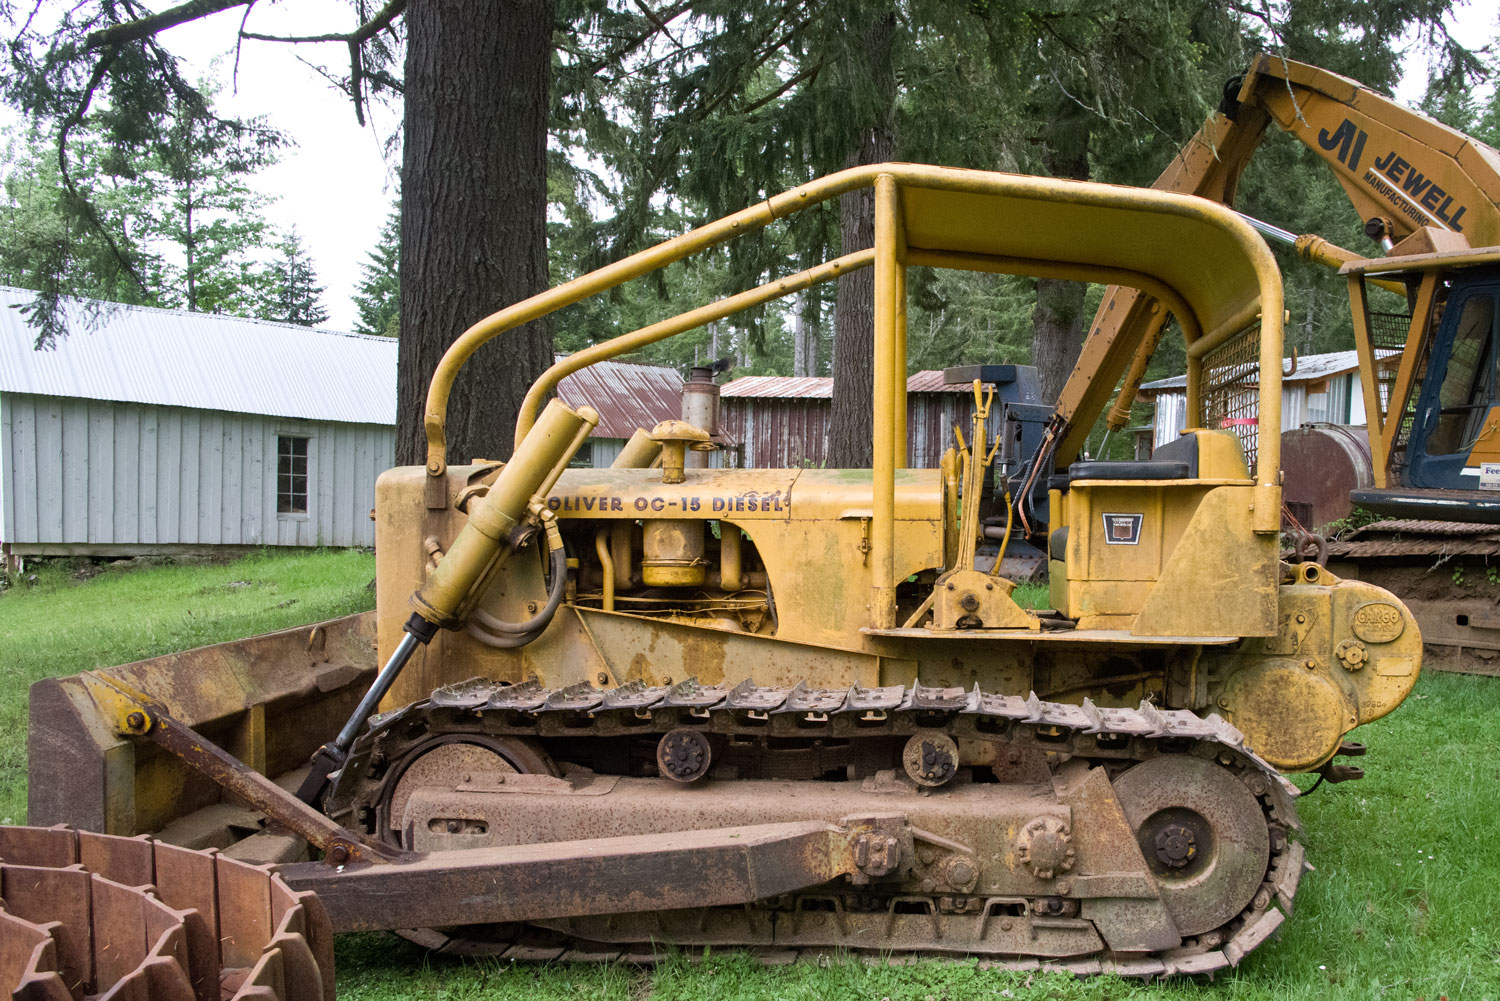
1323,388
157,431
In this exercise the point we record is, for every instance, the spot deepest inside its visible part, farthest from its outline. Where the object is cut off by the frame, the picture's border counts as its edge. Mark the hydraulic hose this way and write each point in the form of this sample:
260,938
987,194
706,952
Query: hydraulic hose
503,635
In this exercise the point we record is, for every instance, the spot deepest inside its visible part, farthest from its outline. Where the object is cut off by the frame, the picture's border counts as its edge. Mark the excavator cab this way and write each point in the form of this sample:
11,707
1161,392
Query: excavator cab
1455,427
1434,407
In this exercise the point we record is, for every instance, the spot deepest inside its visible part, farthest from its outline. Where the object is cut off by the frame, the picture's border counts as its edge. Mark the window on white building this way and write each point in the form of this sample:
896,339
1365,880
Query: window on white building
291,474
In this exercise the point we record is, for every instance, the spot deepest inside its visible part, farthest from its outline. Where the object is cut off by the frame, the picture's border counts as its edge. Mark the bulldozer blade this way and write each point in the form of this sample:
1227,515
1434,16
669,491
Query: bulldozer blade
269,701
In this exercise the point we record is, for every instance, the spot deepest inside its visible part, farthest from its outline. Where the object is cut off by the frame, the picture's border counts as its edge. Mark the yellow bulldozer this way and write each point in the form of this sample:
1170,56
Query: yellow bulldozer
788,709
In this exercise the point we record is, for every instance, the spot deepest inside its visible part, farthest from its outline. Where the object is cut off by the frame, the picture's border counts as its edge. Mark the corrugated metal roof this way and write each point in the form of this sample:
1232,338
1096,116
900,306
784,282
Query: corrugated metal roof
786,387
1310,368
208,361
168,357
1421,526
626,396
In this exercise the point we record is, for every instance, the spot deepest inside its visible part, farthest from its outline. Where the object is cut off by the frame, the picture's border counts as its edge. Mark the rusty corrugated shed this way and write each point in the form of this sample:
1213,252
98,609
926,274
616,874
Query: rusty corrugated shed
780,387
781,422
626,396
786,387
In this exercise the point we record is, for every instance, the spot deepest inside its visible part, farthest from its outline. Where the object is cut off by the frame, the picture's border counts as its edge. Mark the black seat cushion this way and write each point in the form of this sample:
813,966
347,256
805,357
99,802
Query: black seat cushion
1154,469
1184,449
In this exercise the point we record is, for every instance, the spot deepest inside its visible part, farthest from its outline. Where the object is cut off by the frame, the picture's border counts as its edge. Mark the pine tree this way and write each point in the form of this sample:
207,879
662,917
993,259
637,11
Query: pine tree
293,293
377,298
210,215
50,246
174,226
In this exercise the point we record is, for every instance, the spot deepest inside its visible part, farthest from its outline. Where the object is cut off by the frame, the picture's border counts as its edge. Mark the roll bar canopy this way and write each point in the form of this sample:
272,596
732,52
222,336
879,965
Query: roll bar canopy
1207,265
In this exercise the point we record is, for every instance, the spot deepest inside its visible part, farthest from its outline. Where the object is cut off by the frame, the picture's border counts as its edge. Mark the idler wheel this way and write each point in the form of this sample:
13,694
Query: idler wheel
446,762
930,759
684,755
1203,834
450,760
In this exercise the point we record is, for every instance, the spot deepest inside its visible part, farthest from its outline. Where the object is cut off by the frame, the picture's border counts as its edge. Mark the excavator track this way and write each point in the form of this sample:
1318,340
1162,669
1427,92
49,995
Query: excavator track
1039,932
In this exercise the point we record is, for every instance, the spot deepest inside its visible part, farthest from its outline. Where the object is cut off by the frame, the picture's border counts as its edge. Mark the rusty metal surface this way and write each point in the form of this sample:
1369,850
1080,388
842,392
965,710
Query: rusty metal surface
1321,464
1417,526
1204,838
723,866
1417,537
781,422
546,831
787,387
135,715
305,680
134,919
626,396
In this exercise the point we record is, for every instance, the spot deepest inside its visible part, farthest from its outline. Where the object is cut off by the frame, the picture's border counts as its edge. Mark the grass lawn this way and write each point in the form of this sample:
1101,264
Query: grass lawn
1404,904
65,622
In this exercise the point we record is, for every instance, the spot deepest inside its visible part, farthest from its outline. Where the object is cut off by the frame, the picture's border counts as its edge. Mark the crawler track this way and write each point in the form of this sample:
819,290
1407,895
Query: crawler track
840,920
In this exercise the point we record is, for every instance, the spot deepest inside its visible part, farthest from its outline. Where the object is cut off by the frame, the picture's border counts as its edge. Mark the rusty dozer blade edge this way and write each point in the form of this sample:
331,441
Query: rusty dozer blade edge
136,919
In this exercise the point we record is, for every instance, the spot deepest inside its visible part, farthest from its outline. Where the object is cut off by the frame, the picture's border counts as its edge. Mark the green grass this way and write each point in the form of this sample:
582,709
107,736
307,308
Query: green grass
1031,595
1404,904
61,624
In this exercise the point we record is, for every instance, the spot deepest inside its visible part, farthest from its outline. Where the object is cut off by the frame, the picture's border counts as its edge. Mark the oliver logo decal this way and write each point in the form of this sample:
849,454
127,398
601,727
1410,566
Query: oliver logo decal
1123,529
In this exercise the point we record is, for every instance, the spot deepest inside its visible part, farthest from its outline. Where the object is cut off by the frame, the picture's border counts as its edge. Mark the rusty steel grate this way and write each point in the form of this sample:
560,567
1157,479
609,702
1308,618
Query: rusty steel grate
1387,340
1231,390
1388,336
132,919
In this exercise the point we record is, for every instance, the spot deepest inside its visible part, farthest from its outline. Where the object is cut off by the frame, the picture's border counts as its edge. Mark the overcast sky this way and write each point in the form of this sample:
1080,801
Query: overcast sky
336,185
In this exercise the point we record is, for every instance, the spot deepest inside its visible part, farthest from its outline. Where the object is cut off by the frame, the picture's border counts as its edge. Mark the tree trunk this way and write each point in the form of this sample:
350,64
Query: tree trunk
852,424
812,320
474,205
799,336
1057,323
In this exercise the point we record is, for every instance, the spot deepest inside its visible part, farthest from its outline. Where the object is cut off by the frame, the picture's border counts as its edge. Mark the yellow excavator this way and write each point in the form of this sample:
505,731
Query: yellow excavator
789,709
1424,309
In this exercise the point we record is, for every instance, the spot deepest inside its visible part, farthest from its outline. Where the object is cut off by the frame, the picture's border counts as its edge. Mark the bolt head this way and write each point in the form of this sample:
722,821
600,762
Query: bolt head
1176,846
960,873
136,721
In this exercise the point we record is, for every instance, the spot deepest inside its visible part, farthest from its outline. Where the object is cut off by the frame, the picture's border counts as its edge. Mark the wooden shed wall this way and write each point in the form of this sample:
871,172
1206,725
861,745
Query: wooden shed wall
787,432
79,473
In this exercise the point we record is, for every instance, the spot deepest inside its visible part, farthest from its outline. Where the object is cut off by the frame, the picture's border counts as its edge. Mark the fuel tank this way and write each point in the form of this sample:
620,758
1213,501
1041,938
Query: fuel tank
1322,463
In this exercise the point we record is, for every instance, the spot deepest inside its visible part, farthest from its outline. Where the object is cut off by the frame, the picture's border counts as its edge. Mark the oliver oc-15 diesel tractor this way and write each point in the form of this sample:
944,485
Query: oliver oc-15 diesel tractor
787,709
